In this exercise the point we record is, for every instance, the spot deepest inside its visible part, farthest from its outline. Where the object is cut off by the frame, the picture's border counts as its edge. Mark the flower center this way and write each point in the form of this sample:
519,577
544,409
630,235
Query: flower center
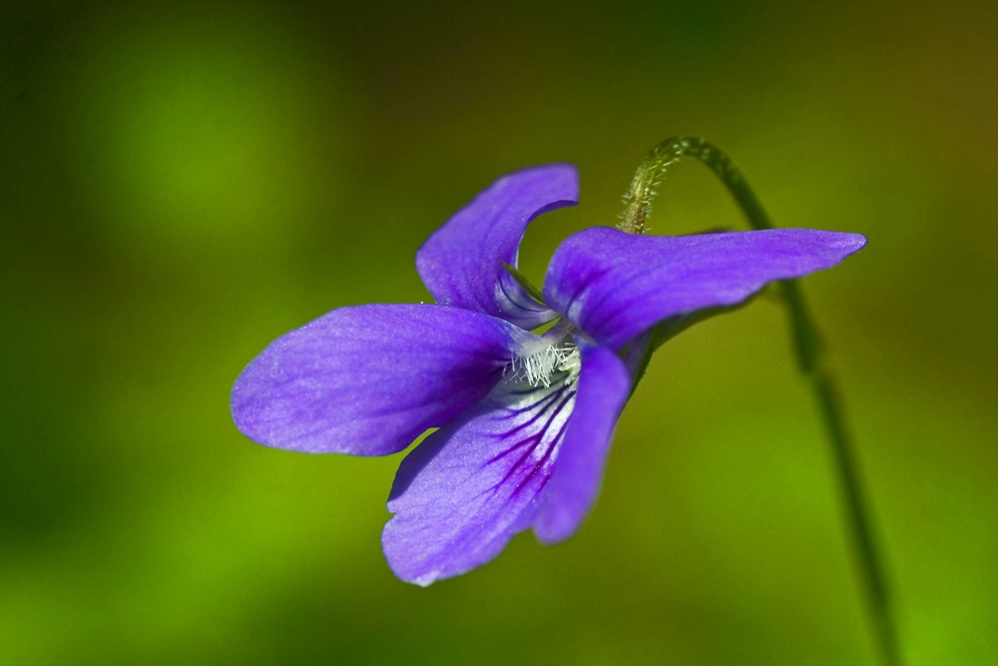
554,363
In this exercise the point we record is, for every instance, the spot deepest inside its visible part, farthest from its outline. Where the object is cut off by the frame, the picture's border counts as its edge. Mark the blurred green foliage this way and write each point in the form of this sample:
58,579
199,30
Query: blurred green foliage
182,183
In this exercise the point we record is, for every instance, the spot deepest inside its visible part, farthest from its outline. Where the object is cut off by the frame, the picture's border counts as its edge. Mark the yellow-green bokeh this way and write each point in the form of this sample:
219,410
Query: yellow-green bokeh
182,183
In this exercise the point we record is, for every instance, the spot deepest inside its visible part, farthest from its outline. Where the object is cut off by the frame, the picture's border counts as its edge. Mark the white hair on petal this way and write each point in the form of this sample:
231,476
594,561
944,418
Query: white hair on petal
542,368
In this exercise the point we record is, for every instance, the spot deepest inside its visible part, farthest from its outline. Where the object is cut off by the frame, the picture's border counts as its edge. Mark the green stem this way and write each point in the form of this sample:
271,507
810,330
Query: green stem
810,359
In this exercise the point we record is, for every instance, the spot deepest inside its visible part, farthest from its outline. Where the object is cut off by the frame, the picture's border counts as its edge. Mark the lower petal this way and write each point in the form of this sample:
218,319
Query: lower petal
463,493
603,389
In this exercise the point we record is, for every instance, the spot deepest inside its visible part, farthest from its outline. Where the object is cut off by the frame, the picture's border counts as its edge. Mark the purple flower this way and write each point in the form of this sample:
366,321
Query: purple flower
525,420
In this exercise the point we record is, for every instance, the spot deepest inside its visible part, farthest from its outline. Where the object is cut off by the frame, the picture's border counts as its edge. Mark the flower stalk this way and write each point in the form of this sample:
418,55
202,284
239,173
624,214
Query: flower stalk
811,363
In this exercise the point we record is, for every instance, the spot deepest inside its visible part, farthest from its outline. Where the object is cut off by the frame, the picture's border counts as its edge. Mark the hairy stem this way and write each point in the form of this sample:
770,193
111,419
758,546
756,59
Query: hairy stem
810,359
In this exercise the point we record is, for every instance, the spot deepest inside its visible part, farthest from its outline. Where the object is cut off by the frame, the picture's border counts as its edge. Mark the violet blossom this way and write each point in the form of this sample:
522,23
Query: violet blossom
524,419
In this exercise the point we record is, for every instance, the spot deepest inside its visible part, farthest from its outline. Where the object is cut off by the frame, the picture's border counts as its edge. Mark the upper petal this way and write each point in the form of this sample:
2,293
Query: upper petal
603,388
368,380
614,285
463,493
461,263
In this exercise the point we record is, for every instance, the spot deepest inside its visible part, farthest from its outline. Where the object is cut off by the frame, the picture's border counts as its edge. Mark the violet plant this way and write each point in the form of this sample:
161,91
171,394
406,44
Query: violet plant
525,386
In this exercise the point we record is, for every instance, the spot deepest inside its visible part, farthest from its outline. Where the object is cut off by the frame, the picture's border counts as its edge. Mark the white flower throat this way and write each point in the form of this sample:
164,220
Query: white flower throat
553,363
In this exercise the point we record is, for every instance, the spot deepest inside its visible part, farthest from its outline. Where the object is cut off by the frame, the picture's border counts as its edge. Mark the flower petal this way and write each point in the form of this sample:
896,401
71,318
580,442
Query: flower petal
461,263
603,389
614,285
368,380
463,493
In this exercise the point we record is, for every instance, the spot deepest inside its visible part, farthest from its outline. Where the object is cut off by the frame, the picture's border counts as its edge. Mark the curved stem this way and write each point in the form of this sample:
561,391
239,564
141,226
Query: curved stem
810,359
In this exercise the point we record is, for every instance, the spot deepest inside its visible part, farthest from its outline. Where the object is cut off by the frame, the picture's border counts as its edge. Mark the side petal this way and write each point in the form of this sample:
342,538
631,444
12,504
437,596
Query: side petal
614,285
463,493
368,380
461,263
603,388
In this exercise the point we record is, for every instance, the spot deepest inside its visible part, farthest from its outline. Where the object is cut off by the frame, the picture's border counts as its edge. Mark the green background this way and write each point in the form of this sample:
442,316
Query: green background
180,184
